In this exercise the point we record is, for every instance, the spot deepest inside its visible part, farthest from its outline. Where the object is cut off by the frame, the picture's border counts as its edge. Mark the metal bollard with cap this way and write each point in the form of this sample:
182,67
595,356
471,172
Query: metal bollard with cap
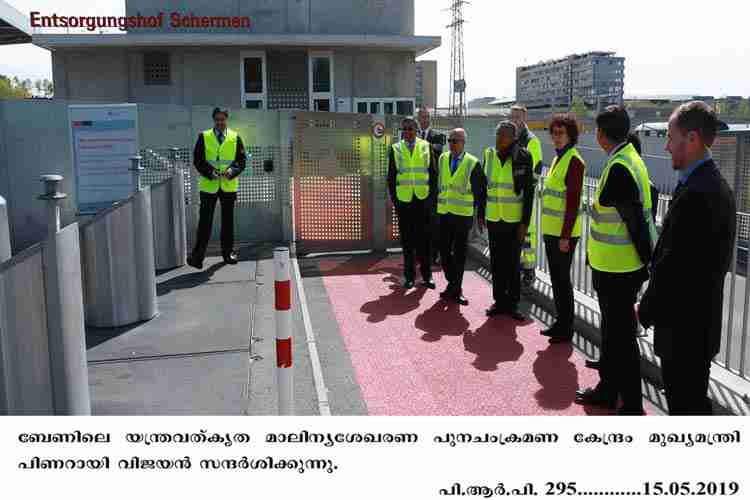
53,196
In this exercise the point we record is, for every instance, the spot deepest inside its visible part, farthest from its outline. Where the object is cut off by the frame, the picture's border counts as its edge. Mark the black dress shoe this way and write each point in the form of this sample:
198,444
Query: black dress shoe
595,398
194,263
593,364
429,283
230,258
560,339
461,300
409,284
495,310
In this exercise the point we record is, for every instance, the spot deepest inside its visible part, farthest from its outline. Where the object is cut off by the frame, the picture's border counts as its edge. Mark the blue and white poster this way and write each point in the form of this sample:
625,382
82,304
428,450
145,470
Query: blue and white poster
104,137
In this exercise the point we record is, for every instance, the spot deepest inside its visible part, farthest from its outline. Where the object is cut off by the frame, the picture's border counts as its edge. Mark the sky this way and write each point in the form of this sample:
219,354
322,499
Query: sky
670,48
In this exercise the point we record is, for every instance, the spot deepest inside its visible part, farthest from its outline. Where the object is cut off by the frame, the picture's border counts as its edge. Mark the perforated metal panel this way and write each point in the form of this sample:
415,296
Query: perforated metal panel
332,182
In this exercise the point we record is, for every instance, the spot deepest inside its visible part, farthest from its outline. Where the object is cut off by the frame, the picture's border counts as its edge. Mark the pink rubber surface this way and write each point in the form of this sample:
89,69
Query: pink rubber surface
415,354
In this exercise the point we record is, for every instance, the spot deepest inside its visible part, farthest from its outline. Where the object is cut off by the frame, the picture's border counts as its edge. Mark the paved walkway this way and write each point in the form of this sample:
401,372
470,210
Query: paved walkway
415,354
211,350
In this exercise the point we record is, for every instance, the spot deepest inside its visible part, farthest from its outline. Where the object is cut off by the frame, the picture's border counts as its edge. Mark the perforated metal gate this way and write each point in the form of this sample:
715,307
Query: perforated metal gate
258,210
334,164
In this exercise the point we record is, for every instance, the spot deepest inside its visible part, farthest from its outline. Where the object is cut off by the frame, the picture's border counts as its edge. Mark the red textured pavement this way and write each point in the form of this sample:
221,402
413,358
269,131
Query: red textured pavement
415,354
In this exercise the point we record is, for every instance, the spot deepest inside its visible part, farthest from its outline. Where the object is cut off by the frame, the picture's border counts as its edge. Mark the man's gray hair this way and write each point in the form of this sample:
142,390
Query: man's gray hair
509,125
409,120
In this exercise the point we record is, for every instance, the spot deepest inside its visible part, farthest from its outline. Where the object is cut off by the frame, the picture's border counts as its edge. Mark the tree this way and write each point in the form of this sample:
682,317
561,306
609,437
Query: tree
743,110
12,88
578,108
49,89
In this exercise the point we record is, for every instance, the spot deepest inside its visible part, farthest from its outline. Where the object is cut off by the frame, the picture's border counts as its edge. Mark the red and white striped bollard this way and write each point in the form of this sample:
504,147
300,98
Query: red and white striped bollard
283,292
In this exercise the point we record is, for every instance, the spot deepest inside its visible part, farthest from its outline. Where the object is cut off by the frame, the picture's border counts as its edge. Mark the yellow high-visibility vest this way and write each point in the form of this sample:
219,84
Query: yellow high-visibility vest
412,167
610,248
455,194
554,196
219,156
502,201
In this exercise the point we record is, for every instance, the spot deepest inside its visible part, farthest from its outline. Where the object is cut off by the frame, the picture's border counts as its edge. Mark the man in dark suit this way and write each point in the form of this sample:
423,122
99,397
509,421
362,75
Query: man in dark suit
686,292
437,141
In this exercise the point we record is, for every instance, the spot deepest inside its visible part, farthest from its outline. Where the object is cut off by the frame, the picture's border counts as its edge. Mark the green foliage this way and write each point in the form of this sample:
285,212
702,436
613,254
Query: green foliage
14,88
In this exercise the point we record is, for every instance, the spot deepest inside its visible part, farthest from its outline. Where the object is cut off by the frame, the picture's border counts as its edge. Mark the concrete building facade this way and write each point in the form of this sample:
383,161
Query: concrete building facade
325,55
595,77
426,84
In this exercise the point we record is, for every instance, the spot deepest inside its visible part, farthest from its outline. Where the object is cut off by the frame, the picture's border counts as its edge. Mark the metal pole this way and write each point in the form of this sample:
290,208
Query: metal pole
5,251
173,159
136,169
283,294
52,196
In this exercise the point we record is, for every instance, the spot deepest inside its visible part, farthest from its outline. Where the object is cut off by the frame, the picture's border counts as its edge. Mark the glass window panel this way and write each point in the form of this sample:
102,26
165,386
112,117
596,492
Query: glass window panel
253,75
374,108
321,74
405,107
362,107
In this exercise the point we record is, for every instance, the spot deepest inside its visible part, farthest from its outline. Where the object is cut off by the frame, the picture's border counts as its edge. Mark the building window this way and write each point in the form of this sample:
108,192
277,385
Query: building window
404,107
321,74
156,68
362,108
253,75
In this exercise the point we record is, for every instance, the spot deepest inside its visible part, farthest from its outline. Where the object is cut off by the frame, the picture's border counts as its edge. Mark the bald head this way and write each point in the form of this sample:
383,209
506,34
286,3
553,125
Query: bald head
457,141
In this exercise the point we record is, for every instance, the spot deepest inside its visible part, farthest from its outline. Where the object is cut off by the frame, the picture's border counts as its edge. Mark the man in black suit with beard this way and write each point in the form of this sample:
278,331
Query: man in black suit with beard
437,141
685,295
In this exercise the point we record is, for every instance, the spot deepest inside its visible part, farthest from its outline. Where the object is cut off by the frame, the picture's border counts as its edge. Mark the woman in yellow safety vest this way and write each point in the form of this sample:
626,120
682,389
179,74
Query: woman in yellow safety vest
561,221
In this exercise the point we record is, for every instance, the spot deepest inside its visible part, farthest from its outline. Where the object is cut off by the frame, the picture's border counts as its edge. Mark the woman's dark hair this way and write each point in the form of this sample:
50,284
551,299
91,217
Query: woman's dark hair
220,110
635,141
614,122
569,122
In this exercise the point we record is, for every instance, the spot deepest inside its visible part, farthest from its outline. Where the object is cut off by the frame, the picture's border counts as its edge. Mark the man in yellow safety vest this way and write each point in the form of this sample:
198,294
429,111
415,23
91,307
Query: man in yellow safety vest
412,184
219,158
510,195
619,245
461,195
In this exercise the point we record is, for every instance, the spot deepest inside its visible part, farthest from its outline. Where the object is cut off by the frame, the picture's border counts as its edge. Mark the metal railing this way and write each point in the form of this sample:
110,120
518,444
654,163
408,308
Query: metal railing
735,348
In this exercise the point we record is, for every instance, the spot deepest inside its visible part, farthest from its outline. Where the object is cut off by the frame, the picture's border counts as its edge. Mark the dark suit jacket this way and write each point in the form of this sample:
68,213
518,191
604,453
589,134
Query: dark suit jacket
685,295
436,139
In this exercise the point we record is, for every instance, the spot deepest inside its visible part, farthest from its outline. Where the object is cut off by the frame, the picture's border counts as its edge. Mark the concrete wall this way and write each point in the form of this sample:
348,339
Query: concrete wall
391,17
429,84
211,77
378,74
35,140
94,75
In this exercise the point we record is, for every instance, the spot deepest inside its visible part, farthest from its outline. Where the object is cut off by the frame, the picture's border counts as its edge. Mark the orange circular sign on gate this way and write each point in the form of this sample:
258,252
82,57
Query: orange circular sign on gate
378,130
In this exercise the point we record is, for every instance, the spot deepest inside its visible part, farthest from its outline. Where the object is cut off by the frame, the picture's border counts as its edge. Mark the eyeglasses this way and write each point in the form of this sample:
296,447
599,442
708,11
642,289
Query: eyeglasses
455,141
409,129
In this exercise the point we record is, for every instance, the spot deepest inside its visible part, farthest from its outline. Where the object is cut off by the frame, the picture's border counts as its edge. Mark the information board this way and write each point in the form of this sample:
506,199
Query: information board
104,137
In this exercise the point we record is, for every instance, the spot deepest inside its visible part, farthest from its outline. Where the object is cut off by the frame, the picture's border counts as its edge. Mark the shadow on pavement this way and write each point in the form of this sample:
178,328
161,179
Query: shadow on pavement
398,302
189,280
444,318
557,375
494,342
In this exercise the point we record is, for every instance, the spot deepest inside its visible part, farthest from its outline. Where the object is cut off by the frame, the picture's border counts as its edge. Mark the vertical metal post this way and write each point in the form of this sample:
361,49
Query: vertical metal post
173,159
136,170
5,251
52,196
283,296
